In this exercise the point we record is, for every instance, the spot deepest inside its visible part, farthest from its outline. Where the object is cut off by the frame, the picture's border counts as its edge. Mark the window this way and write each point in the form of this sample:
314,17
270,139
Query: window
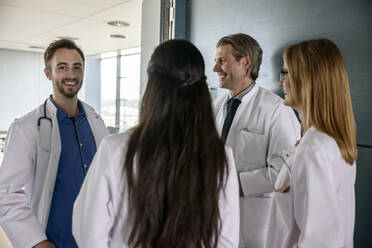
129,87
108,88
120,88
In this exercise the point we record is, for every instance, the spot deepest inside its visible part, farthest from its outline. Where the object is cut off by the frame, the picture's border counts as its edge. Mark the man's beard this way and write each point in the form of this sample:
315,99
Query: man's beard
70,93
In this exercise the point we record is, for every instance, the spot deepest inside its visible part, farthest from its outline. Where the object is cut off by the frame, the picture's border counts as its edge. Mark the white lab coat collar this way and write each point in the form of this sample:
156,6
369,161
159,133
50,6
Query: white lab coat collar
90,114
246,98
229,96
251,93
52,109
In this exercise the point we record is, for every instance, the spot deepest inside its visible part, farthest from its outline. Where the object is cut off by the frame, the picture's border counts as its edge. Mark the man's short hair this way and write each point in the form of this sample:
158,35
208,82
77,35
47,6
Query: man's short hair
244,45
58,44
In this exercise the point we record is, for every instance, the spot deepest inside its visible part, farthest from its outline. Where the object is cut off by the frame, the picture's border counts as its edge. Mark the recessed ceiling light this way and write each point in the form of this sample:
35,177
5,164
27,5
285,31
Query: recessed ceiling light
68,37
117,23
119,36
36,47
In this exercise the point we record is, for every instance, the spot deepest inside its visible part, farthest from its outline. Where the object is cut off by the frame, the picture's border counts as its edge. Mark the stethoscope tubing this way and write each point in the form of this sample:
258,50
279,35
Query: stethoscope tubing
44,117
274,156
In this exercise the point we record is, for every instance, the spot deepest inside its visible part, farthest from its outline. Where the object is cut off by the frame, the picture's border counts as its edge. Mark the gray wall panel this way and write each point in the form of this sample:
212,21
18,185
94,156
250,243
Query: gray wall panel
363,192
150,36
278,23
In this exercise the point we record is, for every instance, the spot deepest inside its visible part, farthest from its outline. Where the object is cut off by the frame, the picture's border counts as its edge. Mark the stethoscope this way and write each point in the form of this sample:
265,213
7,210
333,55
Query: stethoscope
271,171
44,117
44,130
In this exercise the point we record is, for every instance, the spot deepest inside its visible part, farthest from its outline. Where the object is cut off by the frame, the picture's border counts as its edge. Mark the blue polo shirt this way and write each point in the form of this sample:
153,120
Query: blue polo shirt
78,148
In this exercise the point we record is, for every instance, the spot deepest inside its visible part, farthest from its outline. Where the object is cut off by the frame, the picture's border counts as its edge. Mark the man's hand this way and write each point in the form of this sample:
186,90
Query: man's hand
45,244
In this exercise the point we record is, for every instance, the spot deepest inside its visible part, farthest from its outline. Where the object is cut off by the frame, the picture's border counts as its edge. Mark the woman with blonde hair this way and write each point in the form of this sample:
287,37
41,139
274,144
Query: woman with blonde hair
169,182
317,207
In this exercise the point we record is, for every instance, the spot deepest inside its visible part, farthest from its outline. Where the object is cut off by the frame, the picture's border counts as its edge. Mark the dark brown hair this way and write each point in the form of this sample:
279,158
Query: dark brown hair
63,43
175,162
244,45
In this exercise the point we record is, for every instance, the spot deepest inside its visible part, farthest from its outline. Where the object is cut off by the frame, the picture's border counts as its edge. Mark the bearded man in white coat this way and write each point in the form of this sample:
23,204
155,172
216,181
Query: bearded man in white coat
255,124
47,154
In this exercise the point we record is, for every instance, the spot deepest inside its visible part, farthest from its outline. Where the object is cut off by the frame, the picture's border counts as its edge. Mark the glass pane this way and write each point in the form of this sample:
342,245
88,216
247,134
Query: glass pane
109,55
129,90
130,51
129,102
108,90
128,114
130,65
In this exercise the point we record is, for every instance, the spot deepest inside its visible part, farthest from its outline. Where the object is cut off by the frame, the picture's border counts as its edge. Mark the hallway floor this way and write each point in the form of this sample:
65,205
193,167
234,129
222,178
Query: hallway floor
4,242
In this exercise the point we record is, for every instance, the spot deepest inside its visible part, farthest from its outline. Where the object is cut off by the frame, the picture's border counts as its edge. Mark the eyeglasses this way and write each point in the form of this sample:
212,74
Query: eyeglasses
282,73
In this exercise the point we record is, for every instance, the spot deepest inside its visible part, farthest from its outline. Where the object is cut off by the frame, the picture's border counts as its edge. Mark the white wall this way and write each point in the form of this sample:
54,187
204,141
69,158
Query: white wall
23,85
92,82
150,35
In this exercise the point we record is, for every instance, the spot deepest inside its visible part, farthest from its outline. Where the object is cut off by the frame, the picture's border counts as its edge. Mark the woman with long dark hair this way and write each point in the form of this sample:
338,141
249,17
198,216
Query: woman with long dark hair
169,182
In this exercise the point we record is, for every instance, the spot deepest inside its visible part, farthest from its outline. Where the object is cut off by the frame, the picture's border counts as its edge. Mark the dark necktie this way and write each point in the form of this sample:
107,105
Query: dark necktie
232,106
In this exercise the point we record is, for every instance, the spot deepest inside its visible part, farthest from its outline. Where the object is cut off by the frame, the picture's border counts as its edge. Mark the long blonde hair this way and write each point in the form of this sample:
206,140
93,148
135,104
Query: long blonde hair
320,88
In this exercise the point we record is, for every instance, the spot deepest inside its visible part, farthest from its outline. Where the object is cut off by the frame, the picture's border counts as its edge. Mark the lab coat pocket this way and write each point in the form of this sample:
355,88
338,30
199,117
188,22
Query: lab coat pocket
253,130
252,149
254,220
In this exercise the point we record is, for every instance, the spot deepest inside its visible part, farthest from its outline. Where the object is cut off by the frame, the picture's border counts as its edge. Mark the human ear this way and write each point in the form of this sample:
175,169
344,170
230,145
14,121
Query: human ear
47,73
245,62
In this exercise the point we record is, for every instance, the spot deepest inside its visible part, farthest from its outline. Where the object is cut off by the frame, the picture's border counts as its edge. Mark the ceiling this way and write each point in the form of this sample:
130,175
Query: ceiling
25,23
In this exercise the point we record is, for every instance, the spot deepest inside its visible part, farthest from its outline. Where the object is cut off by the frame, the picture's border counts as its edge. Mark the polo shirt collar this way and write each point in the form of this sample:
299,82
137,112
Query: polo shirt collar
62,114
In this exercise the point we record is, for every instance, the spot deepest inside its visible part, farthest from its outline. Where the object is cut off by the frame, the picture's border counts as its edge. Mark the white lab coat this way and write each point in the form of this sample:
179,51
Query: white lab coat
28,173
319,209
100,217
262,126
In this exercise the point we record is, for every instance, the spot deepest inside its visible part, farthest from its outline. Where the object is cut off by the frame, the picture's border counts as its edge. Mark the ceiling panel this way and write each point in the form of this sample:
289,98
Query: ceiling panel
21,24
94,36
27,23
77,8
126,10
